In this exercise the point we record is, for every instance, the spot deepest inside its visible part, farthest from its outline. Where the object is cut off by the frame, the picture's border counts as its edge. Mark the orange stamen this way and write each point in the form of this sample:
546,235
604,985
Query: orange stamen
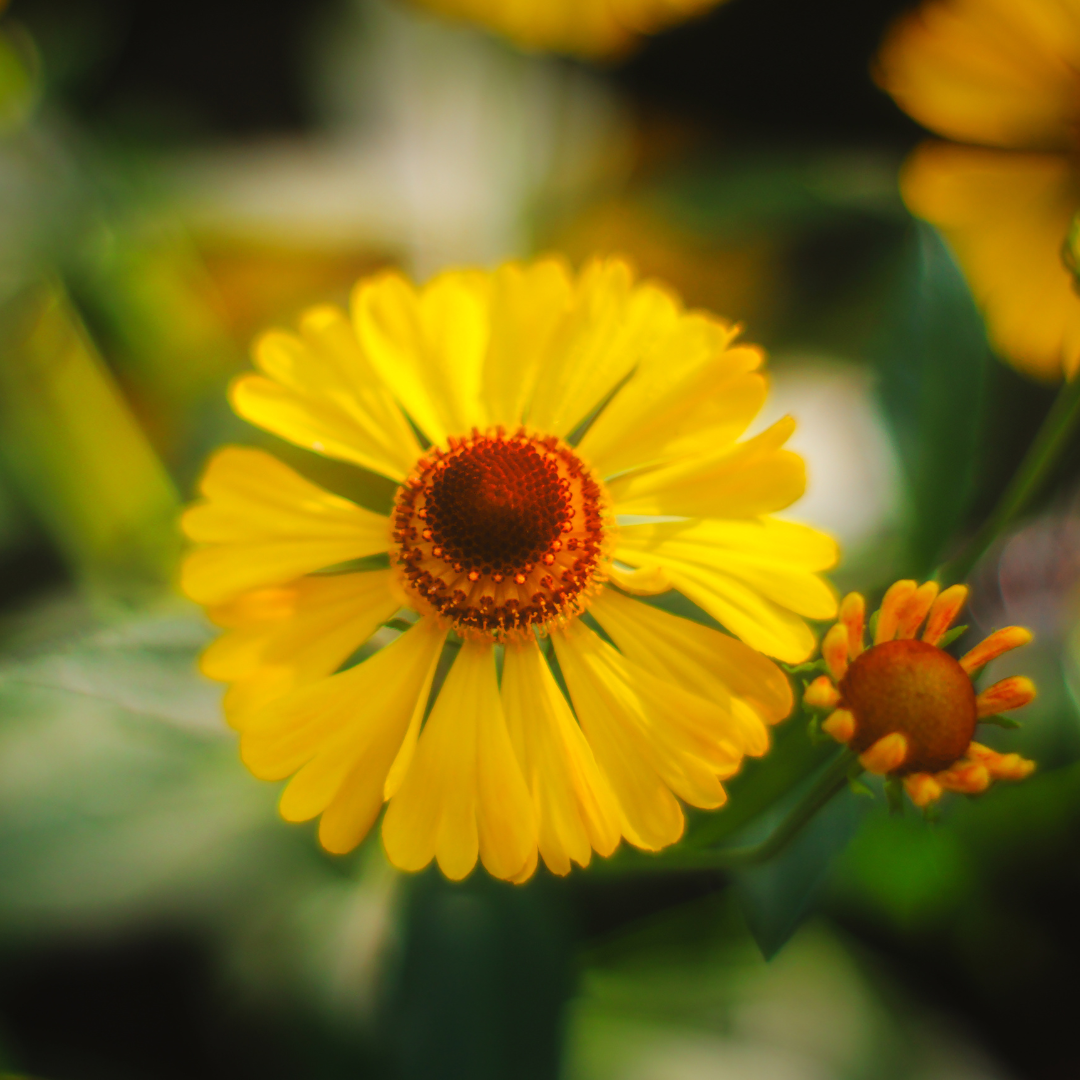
898,595
1000,641
853,616
915,610
966,777
841,726
887,754
822,694
1011,693
943,613
922,788
835,650
1001,766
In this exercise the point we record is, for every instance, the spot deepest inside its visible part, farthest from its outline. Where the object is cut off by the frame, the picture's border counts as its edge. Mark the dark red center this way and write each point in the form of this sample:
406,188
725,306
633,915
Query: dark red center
497,507
915,689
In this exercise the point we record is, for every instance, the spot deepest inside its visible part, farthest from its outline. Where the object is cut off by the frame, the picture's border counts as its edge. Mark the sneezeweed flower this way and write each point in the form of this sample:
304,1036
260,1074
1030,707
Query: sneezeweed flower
909,708
588,28
552,404
1001,76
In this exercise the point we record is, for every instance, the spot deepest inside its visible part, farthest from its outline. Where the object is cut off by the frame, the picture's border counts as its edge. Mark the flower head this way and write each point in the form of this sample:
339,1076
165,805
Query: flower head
1001,76
590,28
521,413
905,705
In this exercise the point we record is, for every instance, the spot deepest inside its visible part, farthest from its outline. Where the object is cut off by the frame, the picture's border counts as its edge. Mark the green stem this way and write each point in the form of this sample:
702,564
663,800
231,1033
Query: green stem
833,779
1043,454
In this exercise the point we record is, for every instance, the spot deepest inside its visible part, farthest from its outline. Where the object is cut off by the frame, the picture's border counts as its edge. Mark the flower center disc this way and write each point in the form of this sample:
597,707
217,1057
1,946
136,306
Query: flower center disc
500,532
917,690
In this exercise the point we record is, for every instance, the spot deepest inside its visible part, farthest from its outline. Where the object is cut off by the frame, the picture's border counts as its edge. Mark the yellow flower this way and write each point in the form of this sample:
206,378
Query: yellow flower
502,535
906,705
1003,76
590,28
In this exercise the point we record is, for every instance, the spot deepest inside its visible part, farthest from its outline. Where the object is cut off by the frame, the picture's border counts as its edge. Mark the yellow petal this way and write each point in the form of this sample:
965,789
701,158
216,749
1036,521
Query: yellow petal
290,732
690,391
644,581
528,305
650,736
429,345
749,478
993,72
710,664
1006,217
320,392
265,525
611,325
463,793
757,578
342,751
312,626
348,817
593,28
576,810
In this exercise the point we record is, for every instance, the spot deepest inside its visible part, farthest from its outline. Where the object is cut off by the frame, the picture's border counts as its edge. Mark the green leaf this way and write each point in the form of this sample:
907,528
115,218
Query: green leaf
778,895
484,980
857,787
951,636
894,794
1000,721
811,667
856,783
933,366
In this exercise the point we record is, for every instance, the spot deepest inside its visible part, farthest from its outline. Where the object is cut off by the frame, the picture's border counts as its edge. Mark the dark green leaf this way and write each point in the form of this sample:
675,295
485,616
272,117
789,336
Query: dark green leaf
777,896
933,366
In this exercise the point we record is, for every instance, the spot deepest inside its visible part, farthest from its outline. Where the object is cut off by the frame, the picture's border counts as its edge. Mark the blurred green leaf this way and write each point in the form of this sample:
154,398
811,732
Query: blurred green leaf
737,194
18,78
78,455
777,896
933,363
484,980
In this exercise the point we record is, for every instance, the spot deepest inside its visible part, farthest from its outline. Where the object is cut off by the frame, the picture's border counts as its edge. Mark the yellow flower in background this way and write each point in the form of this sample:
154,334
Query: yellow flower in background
1003,76
590,28
909,708
505,530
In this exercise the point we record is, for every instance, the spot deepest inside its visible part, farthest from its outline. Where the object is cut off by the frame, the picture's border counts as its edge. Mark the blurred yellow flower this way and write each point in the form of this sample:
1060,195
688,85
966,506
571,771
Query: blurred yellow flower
1003,76
589,28
906,705
503,533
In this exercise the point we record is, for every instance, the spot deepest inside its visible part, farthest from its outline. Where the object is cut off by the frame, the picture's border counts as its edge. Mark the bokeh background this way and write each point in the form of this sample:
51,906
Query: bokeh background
175,176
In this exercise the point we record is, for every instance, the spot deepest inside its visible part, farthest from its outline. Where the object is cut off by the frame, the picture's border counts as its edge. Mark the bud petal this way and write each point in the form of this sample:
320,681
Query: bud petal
841,726
1000,641
1011,693
835,650
914,611
822,694
922,788
943,613
853,616
900,592
886,755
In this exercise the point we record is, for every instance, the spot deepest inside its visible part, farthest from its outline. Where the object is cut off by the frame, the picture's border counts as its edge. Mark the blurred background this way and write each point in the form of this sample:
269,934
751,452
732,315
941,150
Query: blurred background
176,176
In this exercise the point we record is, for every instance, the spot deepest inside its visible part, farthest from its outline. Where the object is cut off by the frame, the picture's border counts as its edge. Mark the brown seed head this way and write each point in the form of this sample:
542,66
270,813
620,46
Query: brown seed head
918,690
